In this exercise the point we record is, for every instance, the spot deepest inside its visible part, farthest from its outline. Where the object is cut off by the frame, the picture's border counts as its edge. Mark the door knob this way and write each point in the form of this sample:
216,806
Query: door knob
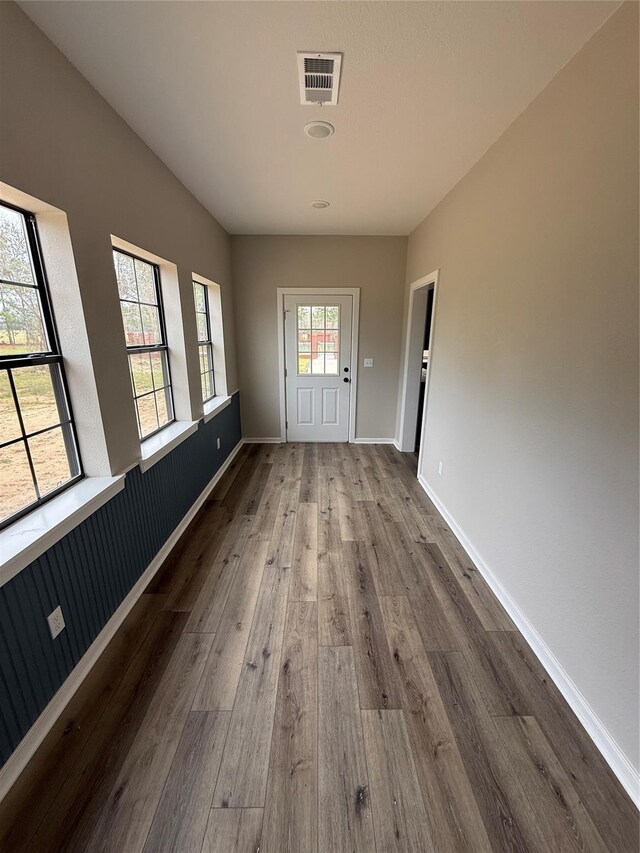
346,379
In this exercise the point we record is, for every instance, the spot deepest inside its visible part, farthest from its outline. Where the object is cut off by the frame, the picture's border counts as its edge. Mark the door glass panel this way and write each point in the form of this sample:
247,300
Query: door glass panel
318,340
332,316
317,317
304,364
304,317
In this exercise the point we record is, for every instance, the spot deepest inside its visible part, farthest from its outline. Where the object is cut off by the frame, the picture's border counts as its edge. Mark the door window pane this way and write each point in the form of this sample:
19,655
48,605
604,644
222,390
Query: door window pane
332,316
304,364
320,339
331,364
317,317
304,317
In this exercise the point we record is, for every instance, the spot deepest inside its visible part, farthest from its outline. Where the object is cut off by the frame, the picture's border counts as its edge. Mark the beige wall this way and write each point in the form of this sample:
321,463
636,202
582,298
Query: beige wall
374,264
62,143
533,404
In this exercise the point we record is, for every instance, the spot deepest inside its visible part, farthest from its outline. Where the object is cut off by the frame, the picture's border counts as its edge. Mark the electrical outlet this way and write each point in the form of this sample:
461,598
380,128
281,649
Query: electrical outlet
440,468
56,622
218,443
368,362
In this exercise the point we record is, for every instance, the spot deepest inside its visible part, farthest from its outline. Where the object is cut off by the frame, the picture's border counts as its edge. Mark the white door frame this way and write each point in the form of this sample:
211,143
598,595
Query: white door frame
355,321
414,337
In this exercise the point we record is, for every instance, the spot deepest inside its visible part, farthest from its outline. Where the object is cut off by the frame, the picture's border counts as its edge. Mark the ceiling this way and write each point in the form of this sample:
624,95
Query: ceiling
212,88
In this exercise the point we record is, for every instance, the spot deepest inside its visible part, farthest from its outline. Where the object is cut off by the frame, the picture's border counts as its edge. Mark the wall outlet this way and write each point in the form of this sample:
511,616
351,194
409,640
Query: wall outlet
368,362
56,622
440,468
218,443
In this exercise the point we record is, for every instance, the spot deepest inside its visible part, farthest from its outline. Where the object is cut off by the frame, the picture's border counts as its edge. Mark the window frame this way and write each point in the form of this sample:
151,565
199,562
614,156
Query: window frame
52,356
148,348
208,342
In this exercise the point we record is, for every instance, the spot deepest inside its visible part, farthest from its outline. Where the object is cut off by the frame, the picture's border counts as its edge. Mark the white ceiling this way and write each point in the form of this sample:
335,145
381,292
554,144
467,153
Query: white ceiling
426,88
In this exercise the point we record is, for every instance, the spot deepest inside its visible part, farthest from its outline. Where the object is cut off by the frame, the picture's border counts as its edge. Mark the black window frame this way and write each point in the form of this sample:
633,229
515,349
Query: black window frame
208,342
149,348
52,356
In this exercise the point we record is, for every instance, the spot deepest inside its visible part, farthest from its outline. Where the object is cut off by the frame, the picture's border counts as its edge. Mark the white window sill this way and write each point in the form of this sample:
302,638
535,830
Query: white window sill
28,538
215,405
154,448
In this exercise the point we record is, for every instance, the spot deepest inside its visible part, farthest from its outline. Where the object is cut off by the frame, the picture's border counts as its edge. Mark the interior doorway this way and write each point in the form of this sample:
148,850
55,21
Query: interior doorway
417,364
424,358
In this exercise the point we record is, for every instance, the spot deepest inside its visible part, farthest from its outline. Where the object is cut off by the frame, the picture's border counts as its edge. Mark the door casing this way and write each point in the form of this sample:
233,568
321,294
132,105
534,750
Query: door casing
355,322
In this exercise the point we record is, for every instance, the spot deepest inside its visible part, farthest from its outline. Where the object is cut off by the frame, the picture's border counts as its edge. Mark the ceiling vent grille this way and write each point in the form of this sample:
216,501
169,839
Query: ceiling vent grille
319,77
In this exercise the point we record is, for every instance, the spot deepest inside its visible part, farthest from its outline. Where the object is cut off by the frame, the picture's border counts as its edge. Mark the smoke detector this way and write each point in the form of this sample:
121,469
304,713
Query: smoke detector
320,203
319,78
319,129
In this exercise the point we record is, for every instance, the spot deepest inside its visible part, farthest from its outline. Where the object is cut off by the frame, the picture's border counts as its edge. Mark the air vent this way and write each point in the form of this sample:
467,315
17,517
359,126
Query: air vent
319,77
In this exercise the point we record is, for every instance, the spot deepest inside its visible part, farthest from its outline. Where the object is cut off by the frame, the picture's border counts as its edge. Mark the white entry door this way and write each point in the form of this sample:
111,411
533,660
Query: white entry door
318,366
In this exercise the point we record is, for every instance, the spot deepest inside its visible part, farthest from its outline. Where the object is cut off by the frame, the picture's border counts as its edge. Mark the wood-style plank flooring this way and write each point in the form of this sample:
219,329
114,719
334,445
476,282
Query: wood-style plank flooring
318,666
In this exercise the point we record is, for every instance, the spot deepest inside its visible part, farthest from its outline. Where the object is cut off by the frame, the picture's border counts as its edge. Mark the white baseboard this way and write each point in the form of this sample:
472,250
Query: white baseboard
25,750
373,441
272,440
595,728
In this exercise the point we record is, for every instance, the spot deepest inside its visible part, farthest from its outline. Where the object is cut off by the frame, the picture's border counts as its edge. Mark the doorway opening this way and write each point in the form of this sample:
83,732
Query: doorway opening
424,367
417,364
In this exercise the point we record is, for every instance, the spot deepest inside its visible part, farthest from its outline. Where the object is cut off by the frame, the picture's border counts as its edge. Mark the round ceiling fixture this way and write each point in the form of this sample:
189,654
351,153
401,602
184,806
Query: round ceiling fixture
319,203
319,129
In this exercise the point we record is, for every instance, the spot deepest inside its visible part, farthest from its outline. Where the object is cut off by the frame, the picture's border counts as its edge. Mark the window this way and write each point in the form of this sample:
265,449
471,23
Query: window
146,339
205,345
38,444
318,340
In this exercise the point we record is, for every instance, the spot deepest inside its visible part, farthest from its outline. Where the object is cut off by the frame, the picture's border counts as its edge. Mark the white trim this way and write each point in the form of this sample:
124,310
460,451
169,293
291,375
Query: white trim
605,742
214,406
273,440
355,325
27,538
25,750
407,443
374,441
155,448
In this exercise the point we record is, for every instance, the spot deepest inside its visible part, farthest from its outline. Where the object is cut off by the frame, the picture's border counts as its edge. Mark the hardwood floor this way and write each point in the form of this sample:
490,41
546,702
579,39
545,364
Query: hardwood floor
318,666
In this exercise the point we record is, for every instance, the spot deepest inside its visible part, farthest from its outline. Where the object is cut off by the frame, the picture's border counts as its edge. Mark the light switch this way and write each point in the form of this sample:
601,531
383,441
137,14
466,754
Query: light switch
368,362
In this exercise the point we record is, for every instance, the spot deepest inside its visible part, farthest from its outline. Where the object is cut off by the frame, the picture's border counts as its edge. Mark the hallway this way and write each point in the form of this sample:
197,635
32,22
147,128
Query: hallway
318,667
